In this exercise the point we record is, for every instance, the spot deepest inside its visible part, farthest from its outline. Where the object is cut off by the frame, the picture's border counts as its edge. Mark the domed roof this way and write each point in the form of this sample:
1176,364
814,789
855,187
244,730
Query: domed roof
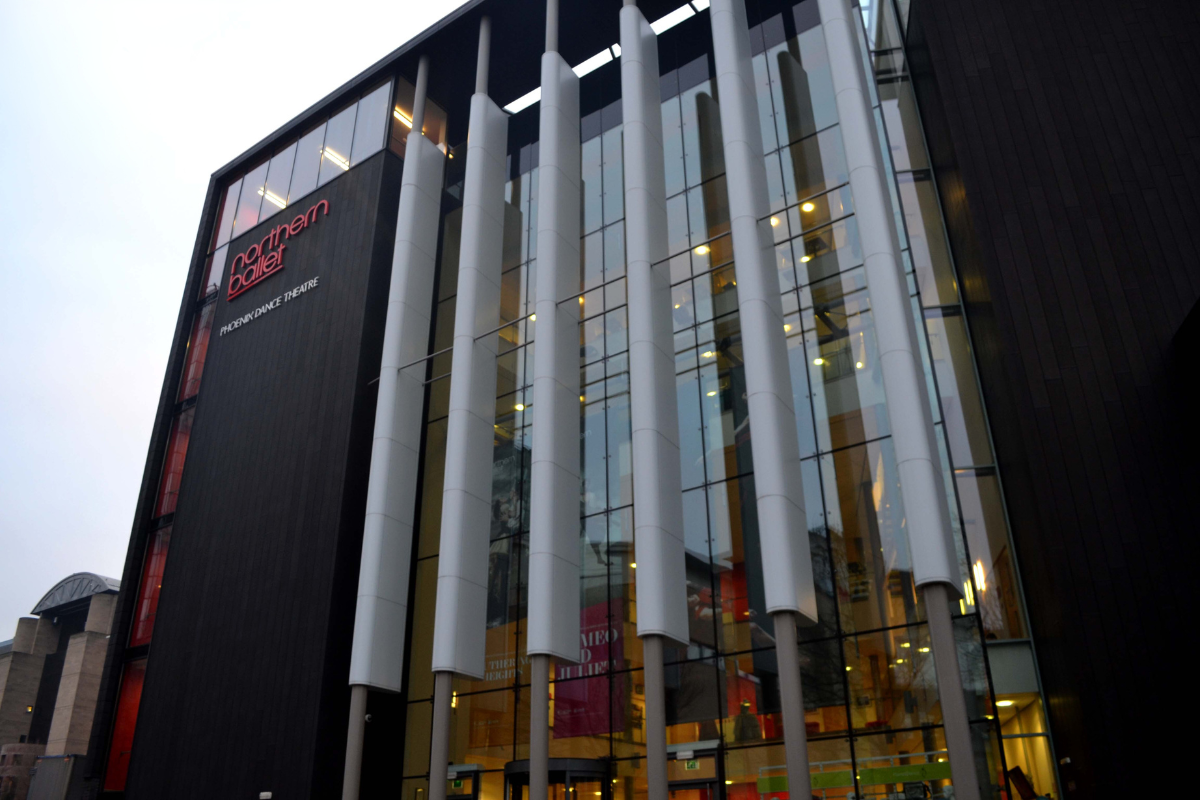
76,587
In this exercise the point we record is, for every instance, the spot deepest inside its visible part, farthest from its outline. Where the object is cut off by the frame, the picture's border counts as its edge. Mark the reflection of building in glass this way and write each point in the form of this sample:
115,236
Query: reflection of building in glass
261,458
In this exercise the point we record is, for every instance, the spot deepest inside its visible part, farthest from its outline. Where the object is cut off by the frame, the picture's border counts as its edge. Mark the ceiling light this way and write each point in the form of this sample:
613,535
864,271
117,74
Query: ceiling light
519,406
671,20
712,394
774,222
707,354
533,317
336,159
905,644
806,207
700,5
633,565
677,305
616,48
1004,703
818,361
405,119
923,650
594,63
729,783
858,365
786,327
524,101
702,250
581,398
274,198
805,259
849,668
899,660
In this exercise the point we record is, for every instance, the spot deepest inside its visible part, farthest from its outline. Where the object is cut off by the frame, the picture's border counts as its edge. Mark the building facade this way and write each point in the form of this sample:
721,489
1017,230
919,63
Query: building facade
870,523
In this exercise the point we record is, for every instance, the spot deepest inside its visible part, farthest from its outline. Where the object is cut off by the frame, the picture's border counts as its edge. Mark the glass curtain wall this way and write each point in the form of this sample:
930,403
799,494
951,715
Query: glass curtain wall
993,595
872,708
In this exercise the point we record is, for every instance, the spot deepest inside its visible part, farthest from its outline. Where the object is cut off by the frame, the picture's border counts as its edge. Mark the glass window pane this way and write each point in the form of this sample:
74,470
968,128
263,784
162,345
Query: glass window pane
214,270
416,739
813,165
227,213
279,177
693,690
962,408
903,124
892,679
703,146
172,474
614,176
335,155
869,541
250,200
592,190
992,567
708,211
848,400
197,350
129,699
760,772
691,443
882,763
673,146
931,258
827,251
308,164
420,675
151,587
371,125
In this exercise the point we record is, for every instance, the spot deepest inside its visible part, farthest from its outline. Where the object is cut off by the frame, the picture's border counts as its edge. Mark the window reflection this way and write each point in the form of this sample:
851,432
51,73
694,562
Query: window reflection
150,588
226,213
308,163
962,409
279,177
371,124
931,257
172,474
197,351
250,200
214,271
339,137
992,570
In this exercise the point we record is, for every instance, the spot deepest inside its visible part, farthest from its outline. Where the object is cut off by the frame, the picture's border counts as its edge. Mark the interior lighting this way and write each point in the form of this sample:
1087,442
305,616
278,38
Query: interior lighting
899,660
1004,703
786,327
807,207
28,709
774,222
858,365
274,198
729,783
581,398
336,159
524,101
672,19
905,644
594,63
849,668
454,699
677,305
980,576
405,119
533,317
923,650
616,50
818,361
702,250
707,354
519,406
712,394
805,259
633,565
700,5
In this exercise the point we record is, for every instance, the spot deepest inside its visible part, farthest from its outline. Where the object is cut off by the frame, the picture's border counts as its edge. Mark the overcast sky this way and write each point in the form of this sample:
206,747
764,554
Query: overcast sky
112,117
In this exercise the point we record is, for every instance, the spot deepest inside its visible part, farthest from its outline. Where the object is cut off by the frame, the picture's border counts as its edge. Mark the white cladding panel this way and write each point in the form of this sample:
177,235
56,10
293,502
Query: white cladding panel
783,528
658,501
922,489
460,620
376,659
554,563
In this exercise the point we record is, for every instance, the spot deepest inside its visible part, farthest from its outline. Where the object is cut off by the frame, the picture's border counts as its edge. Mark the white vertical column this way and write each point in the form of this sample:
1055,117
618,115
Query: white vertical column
554,564
377,657
935,563
459,625
554,494
783,527
658,501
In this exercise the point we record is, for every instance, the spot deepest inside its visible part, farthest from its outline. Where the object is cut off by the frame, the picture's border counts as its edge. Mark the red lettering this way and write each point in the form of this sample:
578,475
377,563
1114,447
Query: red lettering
297,224
265,258
311,216
253,253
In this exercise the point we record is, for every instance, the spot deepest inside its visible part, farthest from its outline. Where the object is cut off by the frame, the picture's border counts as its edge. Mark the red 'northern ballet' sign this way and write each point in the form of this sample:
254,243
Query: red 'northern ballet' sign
264,259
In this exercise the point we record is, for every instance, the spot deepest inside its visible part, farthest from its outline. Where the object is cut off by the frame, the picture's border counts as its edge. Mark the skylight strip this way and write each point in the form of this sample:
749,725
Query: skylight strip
671,20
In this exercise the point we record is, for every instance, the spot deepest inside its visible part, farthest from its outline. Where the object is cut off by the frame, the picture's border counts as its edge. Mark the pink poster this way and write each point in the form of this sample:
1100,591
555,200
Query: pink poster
581,698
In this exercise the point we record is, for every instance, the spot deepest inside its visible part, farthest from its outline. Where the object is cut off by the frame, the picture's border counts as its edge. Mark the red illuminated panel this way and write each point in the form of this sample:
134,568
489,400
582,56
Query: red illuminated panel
168,491
123,726
147,607
193,365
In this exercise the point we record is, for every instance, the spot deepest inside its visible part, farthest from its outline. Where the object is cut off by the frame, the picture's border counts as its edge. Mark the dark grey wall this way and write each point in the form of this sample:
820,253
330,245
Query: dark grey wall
246,687
1065,135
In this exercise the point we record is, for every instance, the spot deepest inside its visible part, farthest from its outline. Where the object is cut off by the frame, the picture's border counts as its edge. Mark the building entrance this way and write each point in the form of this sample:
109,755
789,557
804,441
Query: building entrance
570,779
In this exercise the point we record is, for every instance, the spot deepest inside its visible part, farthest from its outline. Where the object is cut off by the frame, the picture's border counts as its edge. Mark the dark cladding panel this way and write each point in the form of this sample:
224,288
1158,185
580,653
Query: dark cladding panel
250,659
1063,137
